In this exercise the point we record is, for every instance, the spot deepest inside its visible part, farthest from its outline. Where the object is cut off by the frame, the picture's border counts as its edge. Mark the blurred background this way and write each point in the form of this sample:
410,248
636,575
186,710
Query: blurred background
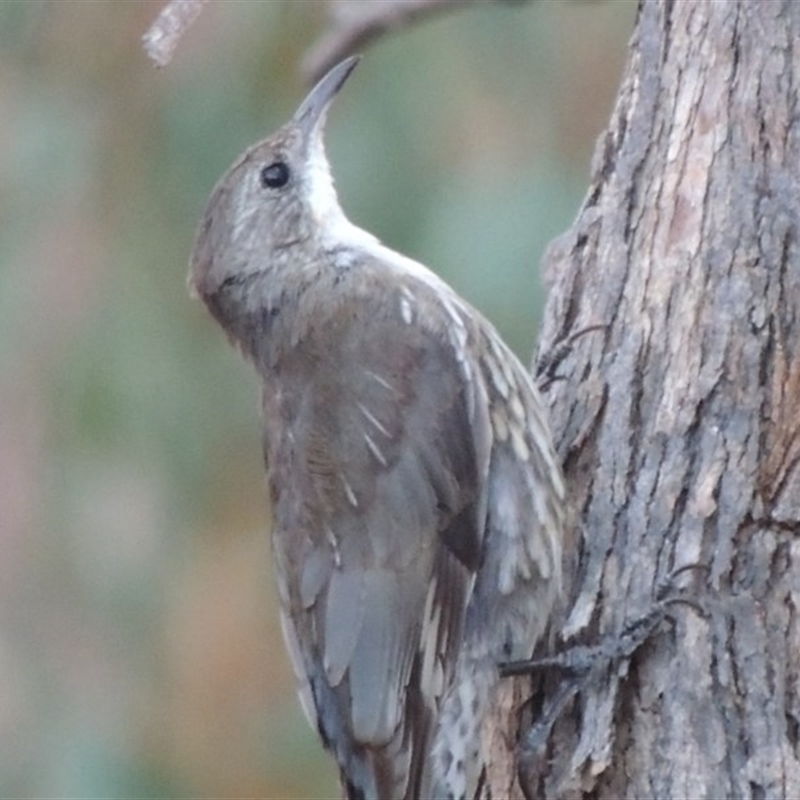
140,653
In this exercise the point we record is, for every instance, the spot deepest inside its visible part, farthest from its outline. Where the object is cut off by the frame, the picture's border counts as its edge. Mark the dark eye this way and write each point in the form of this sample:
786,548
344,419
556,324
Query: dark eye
275,175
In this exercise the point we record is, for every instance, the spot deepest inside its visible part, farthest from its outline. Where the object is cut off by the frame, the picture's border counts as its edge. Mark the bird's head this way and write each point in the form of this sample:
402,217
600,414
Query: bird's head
277,197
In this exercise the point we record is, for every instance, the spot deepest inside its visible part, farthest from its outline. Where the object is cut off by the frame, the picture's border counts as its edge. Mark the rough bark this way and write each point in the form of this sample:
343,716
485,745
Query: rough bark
679,420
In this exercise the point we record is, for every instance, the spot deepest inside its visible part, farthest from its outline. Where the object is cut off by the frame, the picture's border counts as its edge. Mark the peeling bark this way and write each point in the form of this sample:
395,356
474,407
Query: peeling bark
679,420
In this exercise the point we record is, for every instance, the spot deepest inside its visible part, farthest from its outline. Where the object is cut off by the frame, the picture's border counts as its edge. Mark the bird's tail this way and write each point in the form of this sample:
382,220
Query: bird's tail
400,770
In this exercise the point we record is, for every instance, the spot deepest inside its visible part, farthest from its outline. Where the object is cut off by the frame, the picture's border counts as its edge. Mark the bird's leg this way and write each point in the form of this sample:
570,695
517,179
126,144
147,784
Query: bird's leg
613,648
583,664
547,365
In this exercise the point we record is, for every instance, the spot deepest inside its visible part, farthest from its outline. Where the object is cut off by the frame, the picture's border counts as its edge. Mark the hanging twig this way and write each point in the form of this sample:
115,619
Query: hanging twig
355,23
172,22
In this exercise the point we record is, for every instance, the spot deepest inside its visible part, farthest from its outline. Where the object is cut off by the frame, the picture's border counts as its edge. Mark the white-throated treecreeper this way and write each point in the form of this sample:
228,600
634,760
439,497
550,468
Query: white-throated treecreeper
417,501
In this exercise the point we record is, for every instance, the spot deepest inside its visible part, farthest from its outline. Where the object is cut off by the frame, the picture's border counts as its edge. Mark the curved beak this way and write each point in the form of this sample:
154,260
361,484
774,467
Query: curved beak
311,114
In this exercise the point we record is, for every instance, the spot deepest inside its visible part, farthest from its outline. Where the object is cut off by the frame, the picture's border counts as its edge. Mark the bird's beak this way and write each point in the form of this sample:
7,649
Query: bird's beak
311,115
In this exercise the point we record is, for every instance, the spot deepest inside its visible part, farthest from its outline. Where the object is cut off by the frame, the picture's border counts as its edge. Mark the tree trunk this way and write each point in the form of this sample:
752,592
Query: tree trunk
678,420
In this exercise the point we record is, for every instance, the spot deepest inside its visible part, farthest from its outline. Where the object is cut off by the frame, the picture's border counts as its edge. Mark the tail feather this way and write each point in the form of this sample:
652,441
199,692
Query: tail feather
400,770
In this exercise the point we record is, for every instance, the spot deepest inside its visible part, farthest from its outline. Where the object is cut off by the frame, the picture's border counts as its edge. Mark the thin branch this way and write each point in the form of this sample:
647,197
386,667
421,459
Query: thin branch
355,24
169,26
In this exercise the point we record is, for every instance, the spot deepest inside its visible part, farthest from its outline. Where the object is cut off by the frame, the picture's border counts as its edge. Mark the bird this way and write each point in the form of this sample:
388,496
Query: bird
417,501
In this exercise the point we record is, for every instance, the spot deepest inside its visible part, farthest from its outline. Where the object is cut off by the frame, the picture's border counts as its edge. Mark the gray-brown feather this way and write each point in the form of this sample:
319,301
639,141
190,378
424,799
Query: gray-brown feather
380,446
417,502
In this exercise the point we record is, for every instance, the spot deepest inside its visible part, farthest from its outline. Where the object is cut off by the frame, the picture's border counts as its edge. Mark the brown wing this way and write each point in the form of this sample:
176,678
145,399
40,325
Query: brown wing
388,447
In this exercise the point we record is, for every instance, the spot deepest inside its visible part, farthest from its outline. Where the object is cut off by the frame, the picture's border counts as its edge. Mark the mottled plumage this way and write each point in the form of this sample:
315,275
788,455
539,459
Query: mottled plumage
416,498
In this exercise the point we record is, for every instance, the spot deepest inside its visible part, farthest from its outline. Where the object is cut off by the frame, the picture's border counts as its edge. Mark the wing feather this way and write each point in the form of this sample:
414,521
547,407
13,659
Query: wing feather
391,463
345,609
381,661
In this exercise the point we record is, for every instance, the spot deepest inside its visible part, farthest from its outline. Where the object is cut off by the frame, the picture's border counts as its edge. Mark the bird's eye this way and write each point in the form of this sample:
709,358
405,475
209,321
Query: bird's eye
275,175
